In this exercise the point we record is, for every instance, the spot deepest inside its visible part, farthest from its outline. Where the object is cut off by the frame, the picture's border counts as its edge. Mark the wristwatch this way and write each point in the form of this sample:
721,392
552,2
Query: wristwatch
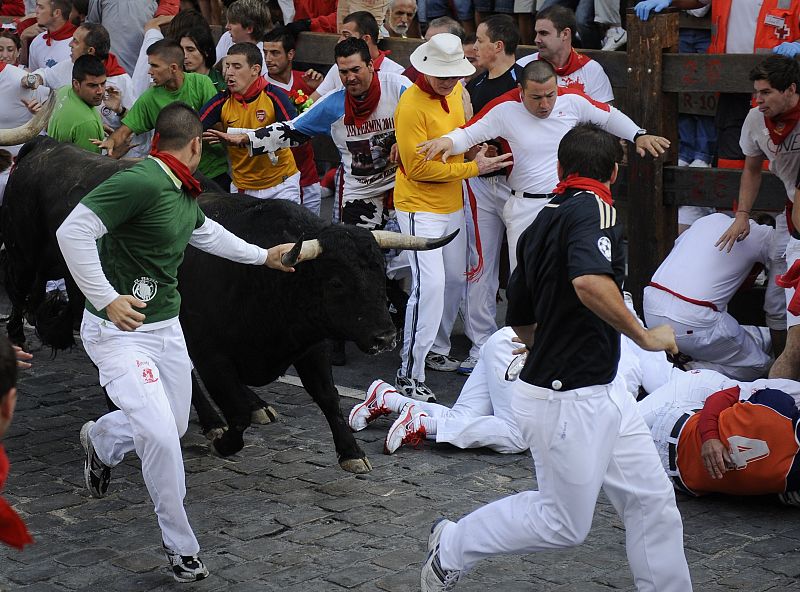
31,81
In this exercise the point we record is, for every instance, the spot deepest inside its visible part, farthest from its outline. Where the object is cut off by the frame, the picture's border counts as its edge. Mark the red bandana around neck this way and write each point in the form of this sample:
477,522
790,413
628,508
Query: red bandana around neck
575,62
357,112
253,90
574,181
113,67
65,31
376,63
178,169
780,127
2,66
422,82
13,531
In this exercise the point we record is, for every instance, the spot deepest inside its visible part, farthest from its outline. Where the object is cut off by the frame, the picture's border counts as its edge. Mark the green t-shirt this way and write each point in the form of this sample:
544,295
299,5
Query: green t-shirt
74,121
196,91
149,220
218,80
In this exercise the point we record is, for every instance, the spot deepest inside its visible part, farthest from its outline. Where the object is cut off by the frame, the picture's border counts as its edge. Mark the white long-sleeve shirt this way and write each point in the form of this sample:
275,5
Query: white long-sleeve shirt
534,141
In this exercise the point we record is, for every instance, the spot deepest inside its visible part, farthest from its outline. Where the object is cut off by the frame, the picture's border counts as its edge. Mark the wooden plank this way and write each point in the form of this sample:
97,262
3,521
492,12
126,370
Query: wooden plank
709,73
697,103
652,225
717,188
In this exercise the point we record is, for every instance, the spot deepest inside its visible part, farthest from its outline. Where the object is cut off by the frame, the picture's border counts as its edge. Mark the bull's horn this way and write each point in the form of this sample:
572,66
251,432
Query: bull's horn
396,240
303,250
27,132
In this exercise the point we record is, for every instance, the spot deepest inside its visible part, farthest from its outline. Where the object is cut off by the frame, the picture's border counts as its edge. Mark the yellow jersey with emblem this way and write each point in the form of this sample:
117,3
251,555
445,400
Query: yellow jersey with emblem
269,106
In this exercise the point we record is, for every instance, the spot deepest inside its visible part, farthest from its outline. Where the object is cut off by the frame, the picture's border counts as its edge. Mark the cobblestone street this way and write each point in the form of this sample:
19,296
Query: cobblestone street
281,515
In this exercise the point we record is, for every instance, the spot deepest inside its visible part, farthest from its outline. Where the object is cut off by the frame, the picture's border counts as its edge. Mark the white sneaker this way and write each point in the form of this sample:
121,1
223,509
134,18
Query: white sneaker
467,366
615,38
697,163
433,577
682,162
441,362
414,389
406,430
372,408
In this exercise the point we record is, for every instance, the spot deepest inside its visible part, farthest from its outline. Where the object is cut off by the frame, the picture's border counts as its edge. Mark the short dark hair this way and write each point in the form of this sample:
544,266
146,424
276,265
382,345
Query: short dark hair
204,41
6,34
183,22
65,6
283,36
82,6
249,51
537,71
351,46
98,38
177,125
452,25
168,50
8,367
365,23
251,13
780,71
561,17
589,151
87,65
502,27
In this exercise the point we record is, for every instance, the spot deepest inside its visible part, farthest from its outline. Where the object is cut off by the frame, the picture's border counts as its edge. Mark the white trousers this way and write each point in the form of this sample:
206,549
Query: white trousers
288,189
518,213
581,440
437,287
147,374
480,305
312,197
482,415
713,338
792,254
775,297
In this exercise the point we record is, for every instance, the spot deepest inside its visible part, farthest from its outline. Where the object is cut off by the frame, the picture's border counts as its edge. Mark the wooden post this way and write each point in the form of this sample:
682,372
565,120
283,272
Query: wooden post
652,226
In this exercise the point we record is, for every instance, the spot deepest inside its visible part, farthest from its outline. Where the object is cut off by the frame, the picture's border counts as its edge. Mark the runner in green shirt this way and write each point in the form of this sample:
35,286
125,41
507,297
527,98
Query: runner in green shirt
75,118
123,244
171,84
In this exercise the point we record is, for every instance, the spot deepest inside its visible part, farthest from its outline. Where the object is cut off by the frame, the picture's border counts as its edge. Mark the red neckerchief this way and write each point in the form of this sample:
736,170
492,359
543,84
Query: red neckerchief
178,169
376,63
782,126
575,62
13,531
113,67
791,279
252,92
2,66
65,31
574,181
357,112
422,82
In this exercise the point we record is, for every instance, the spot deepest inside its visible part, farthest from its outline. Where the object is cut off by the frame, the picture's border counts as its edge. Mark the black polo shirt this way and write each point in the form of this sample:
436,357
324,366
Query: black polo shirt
575,234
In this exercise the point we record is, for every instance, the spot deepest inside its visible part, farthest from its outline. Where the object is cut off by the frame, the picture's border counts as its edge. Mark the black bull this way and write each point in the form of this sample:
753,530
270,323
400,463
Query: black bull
244,325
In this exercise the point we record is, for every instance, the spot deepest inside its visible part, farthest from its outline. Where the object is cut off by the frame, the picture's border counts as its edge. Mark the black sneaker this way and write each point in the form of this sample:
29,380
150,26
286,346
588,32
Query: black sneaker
185,568
96,473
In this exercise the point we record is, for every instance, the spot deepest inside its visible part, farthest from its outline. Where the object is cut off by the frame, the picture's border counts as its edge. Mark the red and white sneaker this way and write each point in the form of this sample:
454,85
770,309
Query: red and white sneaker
372,407
407,430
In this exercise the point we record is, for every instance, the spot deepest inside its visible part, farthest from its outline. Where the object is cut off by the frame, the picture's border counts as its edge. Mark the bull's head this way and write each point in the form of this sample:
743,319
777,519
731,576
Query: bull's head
27,132
305,250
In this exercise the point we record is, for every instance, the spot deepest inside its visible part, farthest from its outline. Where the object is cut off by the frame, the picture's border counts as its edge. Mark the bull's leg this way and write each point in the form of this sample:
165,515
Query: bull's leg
314,370
211,423
222,383
261,412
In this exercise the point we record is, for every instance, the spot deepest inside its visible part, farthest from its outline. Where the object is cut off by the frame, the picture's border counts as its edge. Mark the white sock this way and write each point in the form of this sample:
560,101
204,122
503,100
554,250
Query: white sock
395,401
429,423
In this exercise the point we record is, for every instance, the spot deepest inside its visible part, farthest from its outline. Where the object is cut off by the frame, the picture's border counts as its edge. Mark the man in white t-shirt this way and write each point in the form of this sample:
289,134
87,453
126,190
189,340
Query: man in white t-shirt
52,46
555,26
361,25
770,130
92,39
690,292
533,119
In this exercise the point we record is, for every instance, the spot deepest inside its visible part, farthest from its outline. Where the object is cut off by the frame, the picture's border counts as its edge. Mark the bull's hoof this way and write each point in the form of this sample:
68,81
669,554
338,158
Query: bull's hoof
227,444
356,465
264,415
215,433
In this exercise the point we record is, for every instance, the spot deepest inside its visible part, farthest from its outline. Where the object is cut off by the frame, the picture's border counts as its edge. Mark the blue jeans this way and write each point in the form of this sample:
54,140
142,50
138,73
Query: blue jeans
436,8
697,133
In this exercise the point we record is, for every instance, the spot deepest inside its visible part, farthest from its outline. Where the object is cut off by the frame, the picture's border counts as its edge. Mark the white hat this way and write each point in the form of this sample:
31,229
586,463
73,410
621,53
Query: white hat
442,57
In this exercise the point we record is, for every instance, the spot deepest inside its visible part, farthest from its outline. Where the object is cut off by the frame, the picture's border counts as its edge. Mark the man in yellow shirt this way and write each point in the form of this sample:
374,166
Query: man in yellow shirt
429,202
251,102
